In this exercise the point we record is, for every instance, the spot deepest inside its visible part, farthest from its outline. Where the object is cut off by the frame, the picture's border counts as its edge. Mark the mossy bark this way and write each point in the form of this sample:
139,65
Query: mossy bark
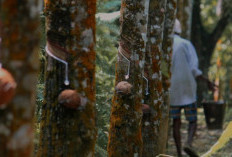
167,46
70,29
19,55
125,138
151,120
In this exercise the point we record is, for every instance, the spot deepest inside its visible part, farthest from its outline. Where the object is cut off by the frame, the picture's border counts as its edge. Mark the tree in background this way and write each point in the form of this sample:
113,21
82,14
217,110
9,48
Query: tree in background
164,66
223,52
68,113
166,73
204,35
204,39
153,78
19,55
157,71
125,138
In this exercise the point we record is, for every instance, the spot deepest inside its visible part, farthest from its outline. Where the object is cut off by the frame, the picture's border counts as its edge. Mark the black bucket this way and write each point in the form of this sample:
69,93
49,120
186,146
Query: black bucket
214,114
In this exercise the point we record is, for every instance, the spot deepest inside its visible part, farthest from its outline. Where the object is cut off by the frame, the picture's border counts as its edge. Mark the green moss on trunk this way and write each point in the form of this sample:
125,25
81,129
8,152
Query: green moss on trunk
152,120
167,46
125,138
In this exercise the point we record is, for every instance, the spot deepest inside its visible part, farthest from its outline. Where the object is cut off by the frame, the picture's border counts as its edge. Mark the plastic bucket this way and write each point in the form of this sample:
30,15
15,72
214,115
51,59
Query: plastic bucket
214,114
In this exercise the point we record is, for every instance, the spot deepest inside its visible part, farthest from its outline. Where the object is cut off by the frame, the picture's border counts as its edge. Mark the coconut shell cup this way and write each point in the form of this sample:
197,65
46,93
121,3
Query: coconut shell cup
146,108
123,88
70,99
7,87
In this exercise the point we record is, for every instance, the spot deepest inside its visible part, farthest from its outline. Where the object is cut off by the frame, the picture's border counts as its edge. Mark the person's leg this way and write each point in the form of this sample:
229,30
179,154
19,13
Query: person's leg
191,132
191,116
176,135
175,114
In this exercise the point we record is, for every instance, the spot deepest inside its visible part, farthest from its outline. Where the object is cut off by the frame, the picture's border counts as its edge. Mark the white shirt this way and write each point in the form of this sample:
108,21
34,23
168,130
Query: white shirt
184,70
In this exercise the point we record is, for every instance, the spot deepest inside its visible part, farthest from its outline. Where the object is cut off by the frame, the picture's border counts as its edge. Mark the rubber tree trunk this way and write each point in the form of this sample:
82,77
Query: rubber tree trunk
19,55
69,130
167,46
184,14
125,138
154,99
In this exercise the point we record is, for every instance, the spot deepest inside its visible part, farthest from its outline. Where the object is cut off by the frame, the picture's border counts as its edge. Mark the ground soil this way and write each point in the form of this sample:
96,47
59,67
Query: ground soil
204,138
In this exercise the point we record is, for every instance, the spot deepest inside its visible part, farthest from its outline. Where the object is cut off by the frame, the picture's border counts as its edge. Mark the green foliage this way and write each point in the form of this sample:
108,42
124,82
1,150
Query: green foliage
40,85
224,72
106,41
42,58
107,6
222,51
106,48
208,13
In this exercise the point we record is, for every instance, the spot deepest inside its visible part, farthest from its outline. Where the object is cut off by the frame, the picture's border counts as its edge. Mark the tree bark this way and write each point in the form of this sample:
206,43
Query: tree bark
167,47
70,29
151,120
125,138
19,55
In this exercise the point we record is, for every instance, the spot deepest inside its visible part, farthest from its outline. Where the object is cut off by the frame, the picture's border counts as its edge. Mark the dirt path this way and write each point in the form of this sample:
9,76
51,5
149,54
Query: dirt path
204,138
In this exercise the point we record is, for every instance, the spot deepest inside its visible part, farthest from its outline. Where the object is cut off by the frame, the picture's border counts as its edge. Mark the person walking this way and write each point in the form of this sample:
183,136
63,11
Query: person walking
183,87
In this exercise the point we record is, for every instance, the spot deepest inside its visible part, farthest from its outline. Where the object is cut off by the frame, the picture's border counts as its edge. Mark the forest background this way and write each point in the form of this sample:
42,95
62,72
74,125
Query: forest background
107,34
